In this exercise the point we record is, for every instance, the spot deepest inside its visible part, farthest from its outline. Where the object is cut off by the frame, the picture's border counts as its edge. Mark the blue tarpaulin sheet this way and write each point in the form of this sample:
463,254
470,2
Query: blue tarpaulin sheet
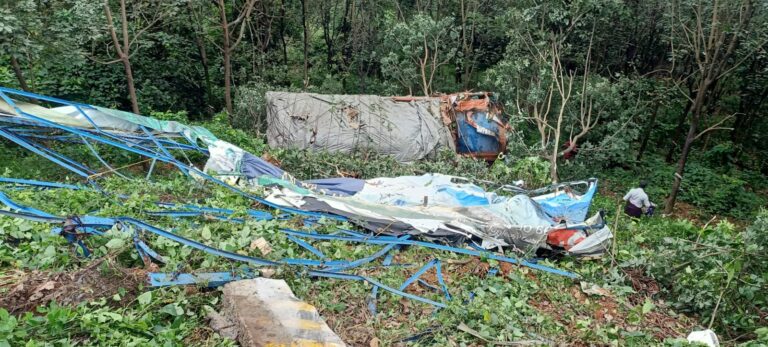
253,167
572,209
343,186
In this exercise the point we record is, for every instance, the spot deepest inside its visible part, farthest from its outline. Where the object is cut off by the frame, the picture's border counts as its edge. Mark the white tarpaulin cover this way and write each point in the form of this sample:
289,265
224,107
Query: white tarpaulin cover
407,130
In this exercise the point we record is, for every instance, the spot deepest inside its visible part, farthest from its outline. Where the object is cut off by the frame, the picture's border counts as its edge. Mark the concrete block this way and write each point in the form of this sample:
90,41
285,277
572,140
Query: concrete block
268,314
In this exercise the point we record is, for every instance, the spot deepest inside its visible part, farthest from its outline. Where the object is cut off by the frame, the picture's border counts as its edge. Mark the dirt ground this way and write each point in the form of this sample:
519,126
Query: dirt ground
608,310
23,291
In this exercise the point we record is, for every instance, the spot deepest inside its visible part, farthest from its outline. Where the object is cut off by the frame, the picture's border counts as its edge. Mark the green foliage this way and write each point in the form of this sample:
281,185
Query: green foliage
250,108
306,165
711,191
714,271
417,49
180,116
96,323
504,307
612,142
219,125
716,192
534,171
62,48
721,154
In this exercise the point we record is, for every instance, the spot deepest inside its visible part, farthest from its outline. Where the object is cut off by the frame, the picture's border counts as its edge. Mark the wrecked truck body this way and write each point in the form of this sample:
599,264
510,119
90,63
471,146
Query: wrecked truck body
404,127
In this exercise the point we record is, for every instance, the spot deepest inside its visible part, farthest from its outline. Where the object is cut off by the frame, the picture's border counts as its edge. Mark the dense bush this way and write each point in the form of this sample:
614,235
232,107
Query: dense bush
711,190
719,193
534,171
250,108
718,273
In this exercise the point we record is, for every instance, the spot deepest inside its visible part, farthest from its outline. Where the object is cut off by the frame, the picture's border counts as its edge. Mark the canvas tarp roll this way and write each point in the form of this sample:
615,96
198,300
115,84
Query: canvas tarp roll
407,130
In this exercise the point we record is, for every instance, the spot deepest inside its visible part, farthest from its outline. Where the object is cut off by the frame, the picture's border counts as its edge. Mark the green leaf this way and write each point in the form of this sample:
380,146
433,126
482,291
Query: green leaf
648,306
116,317
145,298
762,333
172,309
49,252
25,226
115,243
206,233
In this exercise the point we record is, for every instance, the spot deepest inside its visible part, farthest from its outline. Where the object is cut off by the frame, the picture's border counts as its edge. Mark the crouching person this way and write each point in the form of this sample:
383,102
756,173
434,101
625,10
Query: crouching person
636,200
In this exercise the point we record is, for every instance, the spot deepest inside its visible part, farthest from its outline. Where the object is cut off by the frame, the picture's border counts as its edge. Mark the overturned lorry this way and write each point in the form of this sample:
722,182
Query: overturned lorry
407,128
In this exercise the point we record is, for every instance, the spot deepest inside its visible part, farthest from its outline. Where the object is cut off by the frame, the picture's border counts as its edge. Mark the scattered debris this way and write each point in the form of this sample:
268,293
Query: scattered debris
456,210
643,285
480,130
594,289
463,327
266,272
263,246
707,337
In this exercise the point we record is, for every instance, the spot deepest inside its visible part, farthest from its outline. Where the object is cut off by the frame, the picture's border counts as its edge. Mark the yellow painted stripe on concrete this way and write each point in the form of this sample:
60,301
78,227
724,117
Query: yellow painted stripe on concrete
302,324
298,305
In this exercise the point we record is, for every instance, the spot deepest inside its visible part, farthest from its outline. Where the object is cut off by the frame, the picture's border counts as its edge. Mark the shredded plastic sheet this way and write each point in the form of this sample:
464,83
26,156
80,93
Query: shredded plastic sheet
425,190
436,207
565,204
454,212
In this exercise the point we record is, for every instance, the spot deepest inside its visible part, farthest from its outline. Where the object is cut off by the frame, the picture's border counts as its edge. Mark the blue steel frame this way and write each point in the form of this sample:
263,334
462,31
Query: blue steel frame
134,143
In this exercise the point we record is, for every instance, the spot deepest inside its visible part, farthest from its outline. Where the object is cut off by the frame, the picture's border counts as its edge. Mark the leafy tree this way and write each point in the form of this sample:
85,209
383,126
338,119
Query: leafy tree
710,38
142,17
229,28
417,50
16,31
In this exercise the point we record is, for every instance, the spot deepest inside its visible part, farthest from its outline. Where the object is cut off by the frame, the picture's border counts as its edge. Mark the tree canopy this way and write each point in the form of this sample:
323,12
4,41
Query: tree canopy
615,80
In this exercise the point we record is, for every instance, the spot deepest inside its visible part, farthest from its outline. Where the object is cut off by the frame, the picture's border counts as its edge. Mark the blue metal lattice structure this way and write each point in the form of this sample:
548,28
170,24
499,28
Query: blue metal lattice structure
31,132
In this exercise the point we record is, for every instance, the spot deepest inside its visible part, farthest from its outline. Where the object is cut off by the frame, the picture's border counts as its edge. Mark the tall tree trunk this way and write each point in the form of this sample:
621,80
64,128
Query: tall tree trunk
226,52
556,136
306,42
713,62
131,86
126,58
203,57
696,109
123,51
468,24
328,32
19,74
459,71
647,131
206,72
678,132
282,35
